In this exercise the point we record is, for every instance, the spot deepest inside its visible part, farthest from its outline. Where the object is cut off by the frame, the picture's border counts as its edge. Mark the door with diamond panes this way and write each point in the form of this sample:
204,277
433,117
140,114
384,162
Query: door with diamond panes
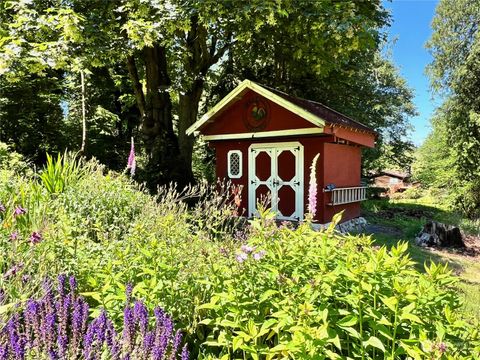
276,173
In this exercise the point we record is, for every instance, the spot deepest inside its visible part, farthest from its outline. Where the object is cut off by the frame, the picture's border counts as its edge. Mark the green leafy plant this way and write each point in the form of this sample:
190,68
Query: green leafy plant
60,172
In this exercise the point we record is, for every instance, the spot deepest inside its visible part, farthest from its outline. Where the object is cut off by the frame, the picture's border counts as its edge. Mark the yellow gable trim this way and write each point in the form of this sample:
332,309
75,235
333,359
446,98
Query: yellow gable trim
235,94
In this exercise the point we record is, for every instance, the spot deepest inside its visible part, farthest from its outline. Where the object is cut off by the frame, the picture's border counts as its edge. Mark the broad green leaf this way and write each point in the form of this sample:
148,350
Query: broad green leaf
375,342
347,321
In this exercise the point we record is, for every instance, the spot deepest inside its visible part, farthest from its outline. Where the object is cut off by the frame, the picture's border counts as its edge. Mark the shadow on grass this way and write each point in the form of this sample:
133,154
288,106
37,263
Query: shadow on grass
418,254
391,222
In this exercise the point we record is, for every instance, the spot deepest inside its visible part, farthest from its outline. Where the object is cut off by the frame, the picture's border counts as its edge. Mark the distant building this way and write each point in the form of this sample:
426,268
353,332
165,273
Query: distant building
394,181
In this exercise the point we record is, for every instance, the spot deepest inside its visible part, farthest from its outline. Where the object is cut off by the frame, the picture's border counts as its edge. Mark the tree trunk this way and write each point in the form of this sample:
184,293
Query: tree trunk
165,163
84,114
187,115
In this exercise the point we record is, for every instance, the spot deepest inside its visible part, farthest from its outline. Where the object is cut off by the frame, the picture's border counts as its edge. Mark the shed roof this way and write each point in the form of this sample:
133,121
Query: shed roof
312,111
328,114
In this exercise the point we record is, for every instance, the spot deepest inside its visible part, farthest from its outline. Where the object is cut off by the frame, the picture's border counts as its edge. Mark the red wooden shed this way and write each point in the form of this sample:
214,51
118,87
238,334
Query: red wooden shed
265,140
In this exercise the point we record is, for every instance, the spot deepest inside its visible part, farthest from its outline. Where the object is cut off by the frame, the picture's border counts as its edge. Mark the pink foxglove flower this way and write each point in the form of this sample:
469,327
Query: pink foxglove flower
312,189
131,164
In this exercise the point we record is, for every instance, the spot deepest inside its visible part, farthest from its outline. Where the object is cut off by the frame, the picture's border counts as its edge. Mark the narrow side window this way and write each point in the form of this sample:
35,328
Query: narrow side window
234,164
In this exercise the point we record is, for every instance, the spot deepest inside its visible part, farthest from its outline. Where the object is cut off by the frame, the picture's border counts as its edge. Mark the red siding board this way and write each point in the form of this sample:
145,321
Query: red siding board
342,168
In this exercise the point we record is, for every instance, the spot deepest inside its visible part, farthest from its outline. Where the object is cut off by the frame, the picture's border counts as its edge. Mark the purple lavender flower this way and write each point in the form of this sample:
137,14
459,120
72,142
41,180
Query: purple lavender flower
185,354
4,352
17,342
57,327
52,354
128,327
2,208
32,322
19,211
62,278
140,313
101,323
73,284
112,341
88,341
159,317
128,292
35,238
241,257
14,236
259,255
176,344
148,342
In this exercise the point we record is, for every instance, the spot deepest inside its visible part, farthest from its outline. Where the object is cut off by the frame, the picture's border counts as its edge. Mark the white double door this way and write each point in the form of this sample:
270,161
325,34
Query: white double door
275,172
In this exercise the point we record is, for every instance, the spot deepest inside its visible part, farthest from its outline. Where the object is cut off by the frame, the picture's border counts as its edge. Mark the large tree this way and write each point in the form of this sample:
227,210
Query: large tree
170,48
455,74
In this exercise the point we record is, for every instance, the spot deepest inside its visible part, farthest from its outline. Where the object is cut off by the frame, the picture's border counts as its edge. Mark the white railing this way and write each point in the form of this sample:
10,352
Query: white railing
347,195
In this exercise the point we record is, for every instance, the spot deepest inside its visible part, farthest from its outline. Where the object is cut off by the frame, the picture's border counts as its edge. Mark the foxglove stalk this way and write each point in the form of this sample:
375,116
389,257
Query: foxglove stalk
312,189
131,164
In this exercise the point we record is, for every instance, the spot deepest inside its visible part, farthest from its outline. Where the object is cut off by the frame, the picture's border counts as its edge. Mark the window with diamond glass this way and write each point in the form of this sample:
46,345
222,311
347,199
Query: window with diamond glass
234,164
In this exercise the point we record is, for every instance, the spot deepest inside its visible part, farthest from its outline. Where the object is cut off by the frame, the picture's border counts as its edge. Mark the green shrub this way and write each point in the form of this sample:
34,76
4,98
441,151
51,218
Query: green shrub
326,295
296,294
12,161
412,193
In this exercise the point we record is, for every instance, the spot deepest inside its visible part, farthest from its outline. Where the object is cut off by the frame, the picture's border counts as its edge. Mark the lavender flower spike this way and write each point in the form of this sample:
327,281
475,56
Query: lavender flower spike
312,189
185,354
56,326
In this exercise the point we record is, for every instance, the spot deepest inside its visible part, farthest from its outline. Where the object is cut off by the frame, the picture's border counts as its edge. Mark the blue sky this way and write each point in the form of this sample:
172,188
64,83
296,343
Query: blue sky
411,29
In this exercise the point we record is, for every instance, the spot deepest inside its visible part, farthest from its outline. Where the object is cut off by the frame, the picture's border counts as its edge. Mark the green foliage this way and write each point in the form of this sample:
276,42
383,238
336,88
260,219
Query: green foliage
60,173
31,115
324,50
455,71
401,220
331,296
12,161
265,292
